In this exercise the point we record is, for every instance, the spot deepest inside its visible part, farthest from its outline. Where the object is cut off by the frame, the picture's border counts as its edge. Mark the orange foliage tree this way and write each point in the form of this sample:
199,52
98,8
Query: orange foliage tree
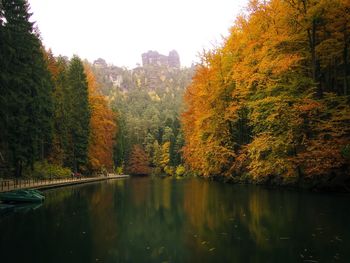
103,127
138,162
263,105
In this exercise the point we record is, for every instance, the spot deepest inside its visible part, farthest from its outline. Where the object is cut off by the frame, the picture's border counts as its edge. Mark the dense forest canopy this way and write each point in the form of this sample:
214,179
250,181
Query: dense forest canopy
272,103
148,102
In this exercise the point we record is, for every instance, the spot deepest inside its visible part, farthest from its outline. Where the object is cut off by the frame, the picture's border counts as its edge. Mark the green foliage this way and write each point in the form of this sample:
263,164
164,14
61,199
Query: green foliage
168,135
26,89
346,151
44,106
119,170
46,170
78,115
157,154
169,170
148,101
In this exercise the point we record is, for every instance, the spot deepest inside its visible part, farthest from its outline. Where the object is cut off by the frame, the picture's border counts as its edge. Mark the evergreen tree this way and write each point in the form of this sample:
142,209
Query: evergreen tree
78,115
119,153
148,144
60,142
4,51
179,143
26,88
157,154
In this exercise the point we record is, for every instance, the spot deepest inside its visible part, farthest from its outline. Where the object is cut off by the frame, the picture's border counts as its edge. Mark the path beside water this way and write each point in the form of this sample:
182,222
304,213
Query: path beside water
9,185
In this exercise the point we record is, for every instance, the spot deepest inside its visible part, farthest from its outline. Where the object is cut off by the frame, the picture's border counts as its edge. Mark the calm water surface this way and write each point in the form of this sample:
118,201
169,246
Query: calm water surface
189,220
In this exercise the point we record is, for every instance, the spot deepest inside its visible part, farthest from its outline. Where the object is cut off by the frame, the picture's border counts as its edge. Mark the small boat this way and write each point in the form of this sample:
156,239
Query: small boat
23,196
26,207
5,208
34,191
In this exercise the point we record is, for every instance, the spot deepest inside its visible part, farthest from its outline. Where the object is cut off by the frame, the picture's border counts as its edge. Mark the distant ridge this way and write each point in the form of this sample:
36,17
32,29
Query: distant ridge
154,58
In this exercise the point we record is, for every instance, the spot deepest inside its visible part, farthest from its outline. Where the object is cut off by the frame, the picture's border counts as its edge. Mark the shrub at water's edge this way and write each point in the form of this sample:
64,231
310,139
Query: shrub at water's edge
44,170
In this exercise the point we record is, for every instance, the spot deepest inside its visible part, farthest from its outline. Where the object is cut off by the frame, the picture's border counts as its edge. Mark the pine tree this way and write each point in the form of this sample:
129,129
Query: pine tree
60,144
78,115
4,51
179,143
119,151
26,88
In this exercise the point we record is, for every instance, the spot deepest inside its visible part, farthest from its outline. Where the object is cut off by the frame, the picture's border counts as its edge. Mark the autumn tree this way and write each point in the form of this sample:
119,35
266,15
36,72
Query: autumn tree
267,103
138,163
102,126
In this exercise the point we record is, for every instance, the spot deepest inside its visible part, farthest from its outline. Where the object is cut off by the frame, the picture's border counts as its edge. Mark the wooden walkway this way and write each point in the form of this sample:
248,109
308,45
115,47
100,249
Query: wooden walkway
9,185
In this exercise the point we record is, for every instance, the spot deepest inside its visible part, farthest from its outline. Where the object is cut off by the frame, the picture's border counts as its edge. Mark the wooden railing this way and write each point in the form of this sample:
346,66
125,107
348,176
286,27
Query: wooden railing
13,184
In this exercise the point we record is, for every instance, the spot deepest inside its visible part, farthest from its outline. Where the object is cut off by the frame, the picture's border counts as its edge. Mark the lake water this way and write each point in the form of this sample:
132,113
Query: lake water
189,220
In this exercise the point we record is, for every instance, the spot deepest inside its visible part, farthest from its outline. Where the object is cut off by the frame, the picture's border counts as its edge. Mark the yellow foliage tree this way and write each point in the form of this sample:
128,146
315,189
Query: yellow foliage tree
263,104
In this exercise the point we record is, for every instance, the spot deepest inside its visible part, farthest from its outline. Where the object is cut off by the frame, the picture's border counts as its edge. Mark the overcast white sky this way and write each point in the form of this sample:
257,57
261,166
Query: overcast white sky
121,30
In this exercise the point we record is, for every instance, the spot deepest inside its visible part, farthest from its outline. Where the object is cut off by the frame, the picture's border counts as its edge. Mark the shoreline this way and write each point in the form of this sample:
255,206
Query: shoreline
317,184
55,183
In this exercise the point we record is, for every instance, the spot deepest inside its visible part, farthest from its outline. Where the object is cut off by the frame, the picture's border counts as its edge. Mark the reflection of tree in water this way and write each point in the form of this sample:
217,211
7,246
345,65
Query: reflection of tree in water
136,216
196,220
190,220
249,218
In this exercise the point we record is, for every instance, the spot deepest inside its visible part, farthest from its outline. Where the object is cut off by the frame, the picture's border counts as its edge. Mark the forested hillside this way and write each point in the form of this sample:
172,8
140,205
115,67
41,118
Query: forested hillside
148,101
272,103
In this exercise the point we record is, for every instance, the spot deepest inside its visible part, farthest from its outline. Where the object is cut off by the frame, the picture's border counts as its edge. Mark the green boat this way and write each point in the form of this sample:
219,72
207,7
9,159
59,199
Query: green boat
6,208
22,196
